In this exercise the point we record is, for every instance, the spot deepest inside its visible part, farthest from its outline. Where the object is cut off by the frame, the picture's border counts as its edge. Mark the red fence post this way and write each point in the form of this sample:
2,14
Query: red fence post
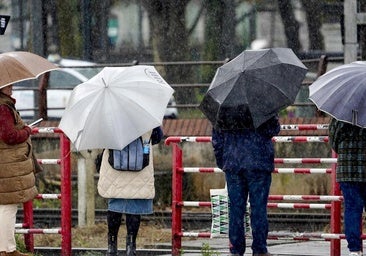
335,213
28,222
178,203
177,186
65,195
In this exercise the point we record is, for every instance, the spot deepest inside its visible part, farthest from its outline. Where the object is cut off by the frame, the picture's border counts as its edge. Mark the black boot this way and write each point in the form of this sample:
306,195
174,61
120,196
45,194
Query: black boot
132,225
114,222
130,245
112,246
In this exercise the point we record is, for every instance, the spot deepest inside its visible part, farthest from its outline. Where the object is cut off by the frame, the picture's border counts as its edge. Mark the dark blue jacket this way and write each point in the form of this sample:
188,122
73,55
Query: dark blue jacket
246,149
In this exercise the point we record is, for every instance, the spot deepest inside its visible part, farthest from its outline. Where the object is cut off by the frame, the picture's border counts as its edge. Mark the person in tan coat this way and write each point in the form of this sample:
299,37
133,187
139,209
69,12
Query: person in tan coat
17,179
130,193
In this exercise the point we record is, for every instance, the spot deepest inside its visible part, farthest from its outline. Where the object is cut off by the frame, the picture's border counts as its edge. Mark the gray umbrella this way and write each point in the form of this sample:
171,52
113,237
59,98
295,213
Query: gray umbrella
341,92
253,87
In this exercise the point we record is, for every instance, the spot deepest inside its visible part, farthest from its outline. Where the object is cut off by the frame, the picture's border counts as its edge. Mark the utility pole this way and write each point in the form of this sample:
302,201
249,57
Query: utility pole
353,18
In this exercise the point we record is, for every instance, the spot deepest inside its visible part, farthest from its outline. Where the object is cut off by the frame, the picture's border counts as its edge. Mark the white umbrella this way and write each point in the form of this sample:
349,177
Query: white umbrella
115,107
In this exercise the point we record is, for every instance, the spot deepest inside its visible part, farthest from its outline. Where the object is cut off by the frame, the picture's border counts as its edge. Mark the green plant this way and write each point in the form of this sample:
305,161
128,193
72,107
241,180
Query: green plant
206,250
21,245
181,252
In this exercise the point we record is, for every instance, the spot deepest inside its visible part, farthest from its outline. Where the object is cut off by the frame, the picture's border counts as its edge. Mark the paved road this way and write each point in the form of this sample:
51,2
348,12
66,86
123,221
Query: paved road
275,247
216,247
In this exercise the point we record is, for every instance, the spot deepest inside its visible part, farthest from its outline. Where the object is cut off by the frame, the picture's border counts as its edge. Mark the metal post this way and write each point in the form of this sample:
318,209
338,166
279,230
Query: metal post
335,216
177,187
28,221
65,195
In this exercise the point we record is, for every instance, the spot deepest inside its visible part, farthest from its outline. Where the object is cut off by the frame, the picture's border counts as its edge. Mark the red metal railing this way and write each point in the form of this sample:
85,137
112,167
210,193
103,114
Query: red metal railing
65,168
335,197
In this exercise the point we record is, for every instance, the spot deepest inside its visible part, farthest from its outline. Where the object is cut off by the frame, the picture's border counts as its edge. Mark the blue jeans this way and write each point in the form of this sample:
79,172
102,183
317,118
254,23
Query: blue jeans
354,194
256,184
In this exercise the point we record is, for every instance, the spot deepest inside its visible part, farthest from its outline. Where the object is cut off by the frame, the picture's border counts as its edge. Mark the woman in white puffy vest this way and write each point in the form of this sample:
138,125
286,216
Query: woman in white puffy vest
130,193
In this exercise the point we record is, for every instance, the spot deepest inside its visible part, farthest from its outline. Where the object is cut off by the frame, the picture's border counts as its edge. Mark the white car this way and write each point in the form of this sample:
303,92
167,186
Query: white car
171,112
58,88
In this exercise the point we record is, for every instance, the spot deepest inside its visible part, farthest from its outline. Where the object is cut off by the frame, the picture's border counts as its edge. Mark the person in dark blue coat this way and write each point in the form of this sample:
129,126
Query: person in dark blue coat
247,158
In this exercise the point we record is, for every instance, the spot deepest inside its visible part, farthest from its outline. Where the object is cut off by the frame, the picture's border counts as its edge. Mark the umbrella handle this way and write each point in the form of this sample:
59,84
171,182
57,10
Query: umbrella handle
354,117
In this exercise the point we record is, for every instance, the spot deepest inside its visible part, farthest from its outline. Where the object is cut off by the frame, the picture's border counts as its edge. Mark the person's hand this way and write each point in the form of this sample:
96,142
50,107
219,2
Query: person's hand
28,129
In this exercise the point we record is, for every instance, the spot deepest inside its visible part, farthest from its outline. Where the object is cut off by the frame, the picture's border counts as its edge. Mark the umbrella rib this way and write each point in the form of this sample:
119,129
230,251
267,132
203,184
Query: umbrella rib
273,85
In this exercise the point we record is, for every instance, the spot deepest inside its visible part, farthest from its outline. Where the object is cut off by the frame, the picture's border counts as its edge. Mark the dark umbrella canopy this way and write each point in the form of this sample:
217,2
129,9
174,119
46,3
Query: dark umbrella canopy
253,87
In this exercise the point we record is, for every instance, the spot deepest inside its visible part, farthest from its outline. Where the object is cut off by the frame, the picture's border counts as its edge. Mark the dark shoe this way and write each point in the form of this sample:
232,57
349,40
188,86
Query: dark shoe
262,254
130,245
112,246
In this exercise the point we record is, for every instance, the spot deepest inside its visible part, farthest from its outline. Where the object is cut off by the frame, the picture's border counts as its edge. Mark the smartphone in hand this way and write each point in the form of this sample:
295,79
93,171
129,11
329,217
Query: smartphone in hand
35,122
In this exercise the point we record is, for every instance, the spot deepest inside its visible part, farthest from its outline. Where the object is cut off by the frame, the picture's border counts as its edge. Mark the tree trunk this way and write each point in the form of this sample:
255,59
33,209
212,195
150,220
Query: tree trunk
220,36
290,25
69,29
313,18
362,29
170,41
99,37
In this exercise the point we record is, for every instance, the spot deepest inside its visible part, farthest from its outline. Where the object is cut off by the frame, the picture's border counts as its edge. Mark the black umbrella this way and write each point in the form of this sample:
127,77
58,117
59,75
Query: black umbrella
253,87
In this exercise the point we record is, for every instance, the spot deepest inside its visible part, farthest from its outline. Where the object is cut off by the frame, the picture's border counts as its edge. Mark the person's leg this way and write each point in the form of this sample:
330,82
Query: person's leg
353,207
133,226
7,227
259,184
113,222
238,194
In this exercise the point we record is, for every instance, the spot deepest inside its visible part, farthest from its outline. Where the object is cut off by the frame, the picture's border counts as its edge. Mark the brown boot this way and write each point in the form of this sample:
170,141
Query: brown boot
15,253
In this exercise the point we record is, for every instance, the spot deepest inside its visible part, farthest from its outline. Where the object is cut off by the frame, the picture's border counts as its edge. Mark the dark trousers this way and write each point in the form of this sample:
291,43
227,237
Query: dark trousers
354,194
256,185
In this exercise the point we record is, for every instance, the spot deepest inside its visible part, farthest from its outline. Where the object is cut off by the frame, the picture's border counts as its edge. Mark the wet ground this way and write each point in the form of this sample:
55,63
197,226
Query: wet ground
217,246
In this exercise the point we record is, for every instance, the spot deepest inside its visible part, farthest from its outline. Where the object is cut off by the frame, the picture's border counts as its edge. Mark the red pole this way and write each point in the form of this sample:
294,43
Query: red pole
335,216
65,195
28,223
177,187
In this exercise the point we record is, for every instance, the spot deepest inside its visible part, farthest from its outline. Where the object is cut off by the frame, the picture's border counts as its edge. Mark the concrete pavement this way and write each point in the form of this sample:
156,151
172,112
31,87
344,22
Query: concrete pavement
219,246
